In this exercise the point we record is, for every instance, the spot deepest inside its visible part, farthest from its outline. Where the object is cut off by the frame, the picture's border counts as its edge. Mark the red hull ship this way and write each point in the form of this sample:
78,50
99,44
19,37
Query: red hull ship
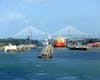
60,42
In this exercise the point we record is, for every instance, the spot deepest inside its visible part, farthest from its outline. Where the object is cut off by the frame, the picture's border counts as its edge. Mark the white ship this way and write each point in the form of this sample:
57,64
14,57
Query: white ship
45,42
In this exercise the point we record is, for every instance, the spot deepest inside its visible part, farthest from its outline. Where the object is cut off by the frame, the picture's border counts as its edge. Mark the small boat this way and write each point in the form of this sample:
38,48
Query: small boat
47,52
77,48
45,56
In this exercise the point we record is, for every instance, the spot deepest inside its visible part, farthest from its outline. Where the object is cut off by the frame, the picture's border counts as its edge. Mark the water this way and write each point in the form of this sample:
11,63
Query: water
66,65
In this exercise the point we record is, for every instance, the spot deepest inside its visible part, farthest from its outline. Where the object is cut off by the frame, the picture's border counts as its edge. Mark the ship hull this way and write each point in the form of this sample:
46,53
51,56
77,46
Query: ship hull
60,44
74,48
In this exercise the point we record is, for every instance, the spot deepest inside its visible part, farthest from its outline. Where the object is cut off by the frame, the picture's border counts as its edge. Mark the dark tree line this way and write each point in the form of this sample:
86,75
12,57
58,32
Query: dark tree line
4,42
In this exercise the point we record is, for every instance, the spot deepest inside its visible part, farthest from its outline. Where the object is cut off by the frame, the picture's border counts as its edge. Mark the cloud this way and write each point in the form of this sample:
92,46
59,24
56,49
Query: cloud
10,16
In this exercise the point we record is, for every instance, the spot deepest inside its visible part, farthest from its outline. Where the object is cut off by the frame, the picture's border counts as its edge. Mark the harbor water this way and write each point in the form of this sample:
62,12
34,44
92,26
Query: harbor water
65,65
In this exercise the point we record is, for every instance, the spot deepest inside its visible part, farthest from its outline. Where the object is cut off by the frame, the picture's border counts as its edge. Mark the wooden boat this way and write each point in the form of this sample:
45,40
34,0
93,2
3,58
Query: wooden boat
47,52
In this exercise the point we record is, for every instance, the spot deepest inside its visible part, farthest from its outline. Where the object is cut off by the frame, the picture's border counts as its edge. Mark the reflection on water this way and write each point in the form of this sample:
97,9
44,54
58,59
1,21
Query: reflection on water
66,65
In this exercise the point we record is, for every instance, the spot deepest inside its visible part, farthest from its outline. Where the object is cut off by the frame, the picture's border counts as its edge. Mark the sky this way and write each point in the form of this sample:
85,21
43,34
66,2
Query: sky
49,15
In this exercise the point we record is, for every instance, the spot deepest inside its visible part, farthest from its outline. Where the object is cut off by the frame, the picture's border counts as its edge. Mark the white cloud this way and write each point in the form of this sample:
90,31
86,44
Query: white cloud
10,16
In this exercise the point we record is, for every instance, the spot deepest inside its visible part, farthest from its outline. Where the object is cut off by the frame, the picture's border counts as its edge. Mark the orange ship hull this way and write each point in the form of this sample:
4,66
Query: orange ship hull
60,44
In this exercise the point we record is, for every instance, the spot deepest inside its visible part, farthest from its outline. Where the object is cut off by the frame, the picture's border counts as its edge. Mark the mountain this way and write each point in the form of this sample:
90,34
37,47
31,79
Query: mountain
29,31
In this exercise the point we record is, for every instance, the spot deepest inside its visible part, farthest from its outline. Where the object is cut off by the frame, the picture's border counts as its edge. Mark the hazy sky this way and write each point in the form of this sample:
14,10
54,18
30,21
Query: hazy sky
49,15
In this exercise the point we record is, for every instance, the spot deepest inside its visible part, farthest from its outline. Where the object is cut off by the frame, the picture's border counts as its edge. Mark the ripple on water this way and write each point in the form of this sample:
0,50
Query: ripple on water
19,79
38,65
41,74
24,79
68,78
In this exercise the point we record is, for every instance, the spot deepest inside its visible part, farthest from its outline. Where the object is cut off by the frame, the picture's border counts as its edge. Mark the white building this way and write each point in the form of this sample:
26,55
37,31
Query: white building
10,47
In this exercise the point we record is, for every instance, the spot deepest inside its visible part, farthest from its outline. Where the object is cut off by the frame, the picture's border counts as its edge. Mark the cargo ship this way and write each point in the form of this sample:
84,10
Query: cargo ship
60,42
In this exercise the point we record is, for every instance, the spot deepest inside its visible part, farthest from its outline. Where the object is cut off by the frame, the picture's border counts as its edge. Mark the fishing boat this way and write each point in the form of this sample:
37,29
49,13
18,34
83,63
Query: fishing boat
47,52
77,47
60,42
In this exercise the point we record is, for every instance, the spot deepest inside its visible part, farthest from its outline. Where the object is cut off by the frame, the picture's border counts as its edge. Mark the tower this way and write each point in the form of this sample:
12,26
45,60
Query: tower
29,36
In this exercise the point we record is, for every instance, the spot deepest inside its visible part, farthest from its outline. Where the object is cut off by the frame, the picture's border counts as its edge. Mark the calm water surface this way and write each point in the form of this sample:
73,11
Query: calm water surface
66,65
